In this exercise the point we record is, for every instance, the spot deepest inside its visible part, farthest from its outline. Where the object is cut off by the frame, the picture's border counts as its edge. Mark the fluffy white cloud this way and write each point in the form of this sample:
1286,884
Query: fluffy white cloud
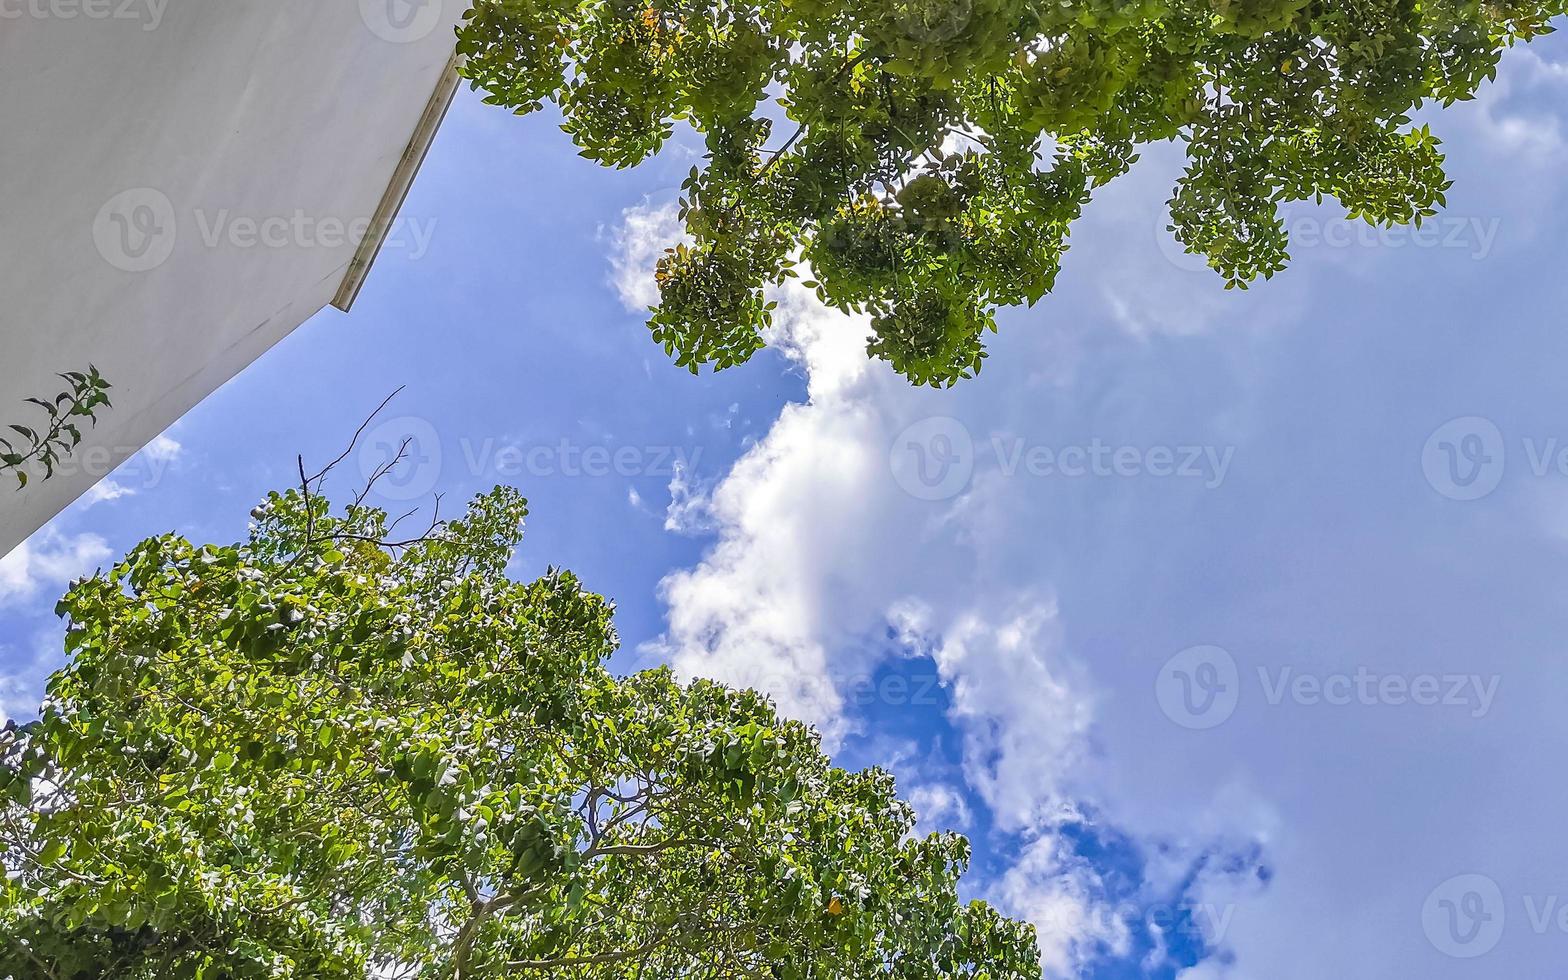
1059,892
940,807
687,512
751,613
104,491
1024,708
163,449
48,559
143,471
1526,131
820,550
636,247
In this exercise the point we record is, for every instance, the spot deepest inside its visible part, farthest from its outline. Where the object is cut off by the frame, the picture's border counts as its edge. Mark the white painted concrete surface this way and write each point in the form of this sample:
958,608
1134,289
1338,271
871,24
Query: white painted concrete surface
181,184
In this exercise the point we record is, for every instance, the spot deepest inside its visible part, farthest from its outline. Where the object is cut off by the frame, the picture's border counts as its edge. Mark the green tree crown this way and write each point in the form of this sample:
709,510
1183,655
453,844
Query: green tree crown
928,157
320,753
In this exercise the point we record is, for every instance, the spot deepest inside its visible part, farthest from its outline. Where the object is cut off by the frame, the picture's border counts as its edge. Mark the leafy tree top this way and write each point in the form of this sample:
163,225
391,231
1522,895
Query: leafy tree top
928,157
319,754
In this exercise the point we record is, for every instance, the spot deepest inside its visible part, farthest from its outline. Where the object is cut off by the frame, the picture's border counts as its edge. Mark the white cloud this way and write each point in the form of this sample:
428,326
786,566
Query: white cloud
1059,892
688,509
817,548
818,552
163,449
143,471
1024,709
1525,132
797,505
48,559
104,491
939,806
636,247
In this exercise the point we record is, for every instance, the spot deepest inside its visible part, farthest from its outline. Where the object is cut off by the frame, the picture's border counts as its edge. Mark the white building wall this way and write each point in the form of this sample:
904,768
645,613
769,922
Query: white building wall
180,183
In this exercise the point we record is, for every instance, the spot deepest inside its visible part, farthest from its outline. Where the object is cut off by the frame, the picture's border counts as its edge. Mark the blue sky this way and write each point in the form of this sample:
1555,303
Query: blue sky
1229,625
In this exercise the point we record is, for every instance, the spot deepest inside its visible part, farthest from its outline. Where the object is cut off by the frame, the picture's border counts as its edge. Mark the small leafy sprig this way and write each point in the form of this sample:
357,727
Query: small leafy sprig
47,447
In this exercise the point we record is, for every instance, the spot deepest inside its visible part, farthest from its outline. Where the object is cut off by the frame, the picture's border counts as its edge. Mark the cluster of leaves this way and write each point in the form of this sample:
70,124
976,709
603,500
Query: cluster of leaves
941,149
45,447
315,755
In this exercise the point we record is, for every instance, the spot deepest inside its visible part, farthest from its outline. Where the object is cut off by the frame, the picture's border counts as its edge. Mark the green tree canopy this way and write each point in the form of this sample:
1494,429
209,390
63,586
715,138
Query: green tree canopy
317,754
928,157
